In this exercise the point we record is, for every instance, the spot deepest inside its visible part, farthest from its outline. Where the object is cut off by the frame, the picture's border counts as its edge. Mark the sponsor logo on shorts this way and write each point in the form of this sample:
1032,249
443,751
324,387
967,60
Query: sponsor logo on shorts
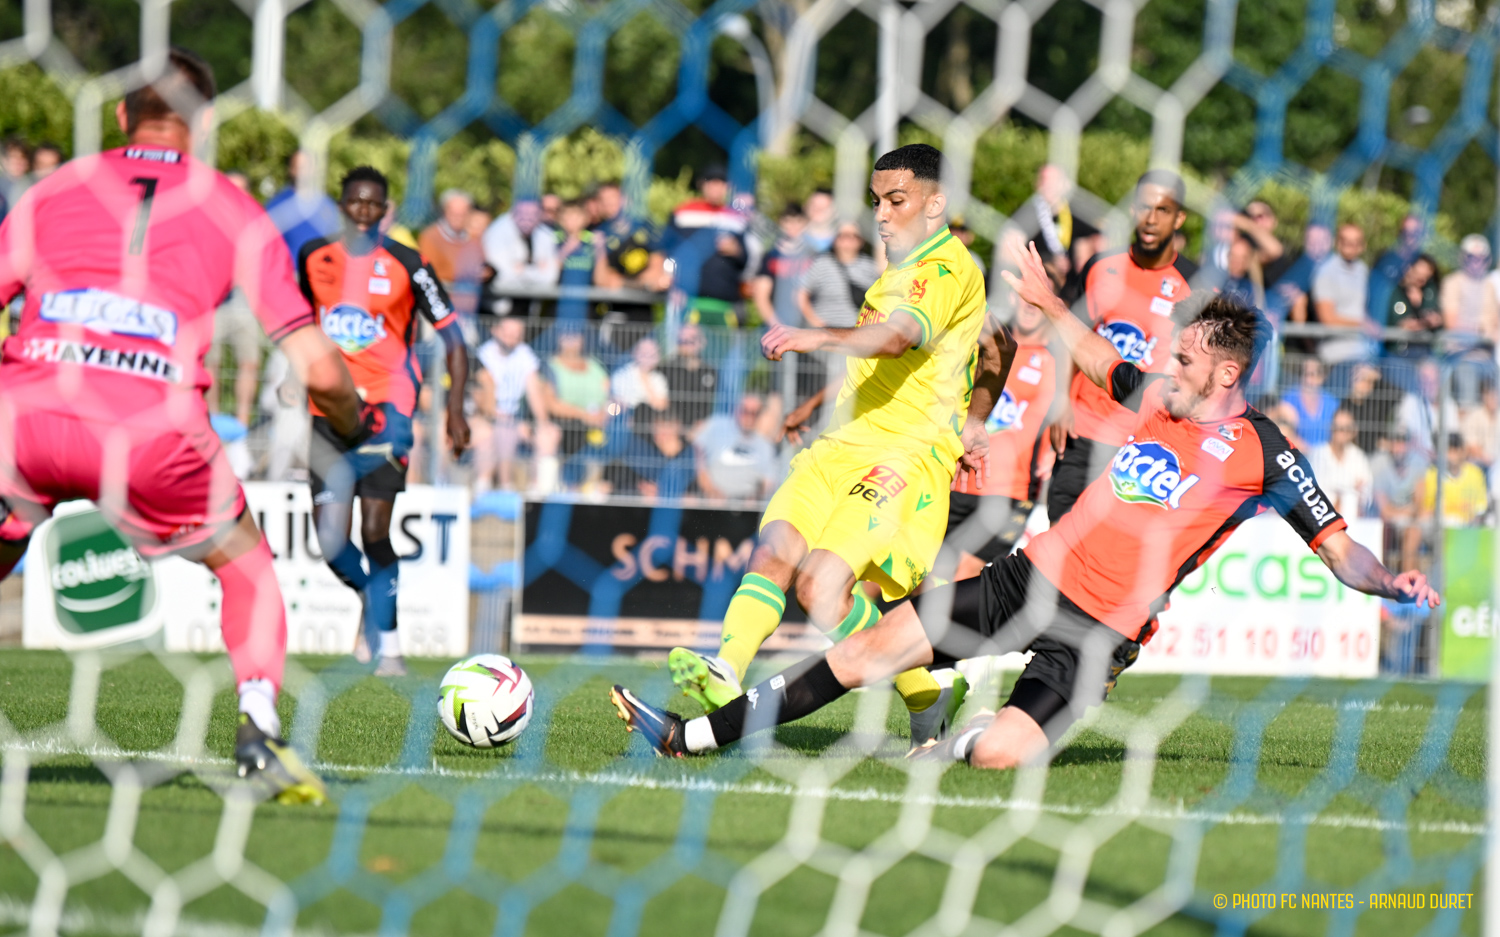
1148,472
1130,341
1307,486
1008,413
138,363
98,581
879,485
352,328
109,313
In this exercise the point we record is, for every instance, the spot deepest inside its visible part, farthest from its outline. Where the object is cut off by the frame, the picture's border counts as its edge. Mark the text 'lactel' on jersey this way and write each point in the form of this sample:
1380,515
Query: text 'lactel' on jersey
1148,472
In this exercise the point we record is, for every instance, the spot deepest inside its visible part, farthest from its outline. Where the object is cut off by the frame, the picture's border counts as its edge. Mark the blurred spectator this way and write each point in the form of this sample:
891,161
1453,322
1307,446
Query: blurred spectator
1313,405
508,378
284,400
1469,307
1465,494
1288,295
775,286
1284,415
576,396
1373,401
1389,269
1414,307
627,255
1231,226
1272,268
15,160
233,434
1418,414
520,249
302,211
1481,427
1343,469
392,228
706,240
822,221
1243,276
1341,293
45,160
456,256
663,463
576,257
551,204
235,327
734,461
1047,218
639,382
692,382
833,289
1398,471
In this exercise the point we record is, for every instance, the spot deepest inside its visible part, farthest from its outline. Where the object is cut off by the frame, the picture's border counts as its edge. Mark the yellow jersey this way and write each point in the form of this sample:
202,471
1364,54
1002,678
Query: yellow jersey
920,399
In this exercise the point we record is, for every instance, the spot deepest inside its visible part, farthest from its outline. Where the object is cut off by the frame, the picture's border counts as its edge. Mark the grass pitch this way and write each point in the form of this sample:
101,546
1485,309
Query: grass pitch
576,830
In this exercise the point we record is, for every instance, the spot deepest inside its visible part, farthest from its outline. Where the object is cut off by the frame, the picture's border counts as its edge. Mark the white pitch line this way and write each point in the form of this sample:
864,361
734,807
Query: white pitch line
690,784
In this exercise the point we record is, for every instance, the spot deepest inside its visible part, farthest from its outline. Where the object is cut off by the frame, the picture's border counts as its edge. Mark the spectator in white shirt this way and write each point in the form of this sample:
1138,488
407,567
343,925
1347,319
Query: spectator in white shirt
520,249
734,461
1466,298
1418,414
507,376
640,381
1340,292
1343,469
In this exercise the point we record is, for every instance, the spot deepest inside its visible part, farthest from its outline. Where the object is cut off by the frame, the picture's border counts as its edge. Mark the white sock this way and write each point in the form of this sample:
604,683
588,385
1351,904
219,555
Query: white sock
698,736
965,742
390,643
258,701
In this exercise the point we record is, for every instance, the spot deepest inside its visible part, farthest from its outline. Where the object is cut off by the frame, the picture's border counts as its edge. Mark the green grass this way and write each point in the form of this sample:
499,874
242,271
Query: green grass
564,833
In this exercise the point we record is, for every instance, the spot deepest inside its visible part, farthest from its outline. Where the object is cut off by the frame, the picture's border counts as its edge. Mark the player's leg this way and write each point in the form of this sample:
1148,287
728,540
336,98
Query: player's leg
380,593
332,477
753,615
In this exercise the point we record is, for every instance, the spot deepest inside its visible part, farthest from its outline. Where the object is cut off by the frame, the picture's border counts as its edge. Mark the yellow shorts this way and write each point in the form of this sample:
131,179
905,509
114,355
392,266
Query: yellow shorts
882,511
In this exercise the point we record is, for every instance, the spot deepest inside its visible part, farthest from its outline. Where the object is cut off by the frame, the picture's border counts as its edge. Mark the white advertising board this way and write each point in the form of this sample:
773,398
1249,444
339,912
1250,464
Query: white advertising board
1265,604
429,530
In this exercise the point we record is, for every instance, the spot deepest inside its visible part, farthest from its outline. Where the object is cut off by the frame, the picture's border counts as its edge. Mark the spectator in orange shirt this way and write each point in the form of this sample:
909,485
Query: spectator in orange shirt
455,255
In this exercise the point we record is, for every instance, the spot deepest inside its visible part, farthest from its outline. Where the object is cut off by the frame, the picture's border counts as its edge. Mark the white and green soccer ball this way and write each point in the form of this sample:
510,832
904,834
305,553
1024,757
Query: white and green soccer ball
486,701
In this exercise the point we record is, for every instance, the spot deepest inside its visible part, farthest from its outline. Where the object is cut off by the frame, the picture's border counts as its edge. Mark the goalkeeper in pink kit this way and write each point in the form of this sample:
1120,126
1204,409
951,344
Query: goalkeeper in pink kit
123,258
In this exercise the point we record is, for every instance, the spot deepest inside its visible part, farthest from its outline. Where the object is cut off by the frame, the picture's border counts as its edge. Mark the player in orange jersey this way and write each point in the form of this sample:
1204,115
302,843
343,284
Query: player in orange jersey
367,291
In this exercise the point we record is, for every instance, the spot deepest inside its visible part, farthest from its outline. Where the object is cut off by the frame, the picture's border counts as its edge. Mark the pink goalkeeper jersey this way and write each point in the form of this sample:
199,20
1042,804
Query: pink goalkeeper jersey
124,257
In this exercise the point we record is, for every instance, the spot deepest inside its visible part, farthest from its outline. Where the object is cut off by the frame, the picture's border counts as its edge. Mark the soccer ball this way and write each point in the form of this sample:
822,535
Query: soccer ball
486,701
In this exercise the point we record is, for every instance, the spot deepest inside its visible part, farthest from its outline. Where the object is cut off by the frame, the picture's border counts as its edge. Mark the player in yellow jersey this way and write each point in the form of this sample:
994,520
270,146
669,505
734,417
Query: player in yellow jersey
868,500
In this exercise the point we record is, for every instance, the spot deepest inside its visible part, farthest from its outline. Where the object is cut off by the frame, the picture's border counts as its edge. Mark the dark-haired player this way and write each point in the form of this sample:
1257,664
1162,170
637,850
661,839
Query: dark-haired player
123,257
1197,463
1128,296
367,291
869,499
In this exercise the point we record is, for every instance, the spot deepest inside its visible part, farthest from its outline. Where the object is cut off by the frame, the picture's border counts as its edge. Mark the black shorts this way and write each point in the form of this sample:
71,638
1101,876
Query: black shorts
1080,463
1073,654
377,469
1001,518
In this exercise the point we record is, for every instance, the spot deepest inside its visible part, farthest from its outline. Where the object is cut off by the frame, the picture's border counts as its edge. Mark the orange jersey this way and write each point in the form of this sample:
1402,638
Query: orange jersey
1174,492
368,304
1132,307
1017,421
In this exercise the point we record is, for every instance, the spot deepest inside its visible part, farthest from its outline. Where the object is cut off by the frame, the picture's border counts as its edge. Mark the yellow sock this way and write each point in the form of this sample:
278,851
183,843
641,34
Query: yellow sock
919,689
753,615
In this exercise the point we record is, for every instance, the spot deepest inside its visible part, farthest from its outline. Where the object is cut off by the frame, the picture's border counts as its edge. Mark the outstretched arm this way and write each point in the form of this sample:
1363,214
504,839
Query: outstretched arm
1092,354
458,374
997,350
889,339
1358,568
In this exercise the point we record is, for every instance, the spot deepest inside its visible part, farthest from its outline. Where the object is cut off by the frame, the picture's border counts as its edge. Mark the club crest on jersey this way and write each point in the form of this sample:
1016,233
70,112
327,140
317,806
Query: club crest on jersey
879,486
1168,287
1232,431
1133,344
1007,413
917,291
1148,472
353,329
